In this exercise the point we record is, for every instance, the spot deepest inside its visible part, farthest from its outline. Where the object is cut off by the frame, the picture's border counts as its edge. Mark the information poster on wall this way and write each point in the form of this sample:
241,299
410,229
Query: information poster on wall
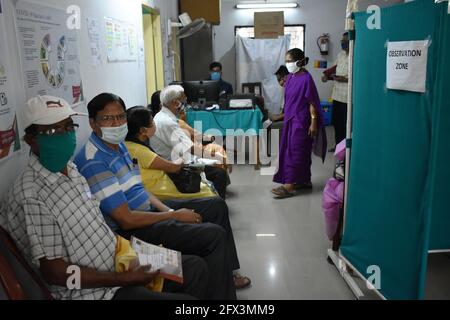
121,41
49,52
93,27
9,134
407,65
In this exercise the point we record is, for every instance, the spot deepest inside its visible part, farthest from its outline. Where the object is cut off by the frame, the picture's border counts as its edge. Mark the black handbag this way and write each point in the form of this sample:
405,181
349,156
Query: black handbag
188,180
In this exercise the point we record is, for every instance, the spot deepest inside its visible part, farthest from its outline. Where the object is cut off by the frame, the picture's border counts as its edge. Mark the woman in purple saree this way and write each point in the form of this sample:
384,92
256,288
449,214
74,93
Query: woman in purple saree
304,130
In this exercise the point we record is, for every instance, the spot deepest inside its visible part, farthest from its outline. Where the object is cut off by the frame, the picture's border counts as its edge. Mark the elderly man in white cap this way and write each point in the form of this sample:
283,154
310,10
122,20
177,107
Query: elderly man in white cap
56,223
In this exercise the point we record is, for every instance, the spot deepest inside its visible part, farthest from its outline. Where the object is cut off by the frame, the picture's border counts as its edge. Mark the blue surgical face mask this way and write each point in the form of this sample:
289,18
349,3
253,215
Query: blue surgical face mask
215,76
344,45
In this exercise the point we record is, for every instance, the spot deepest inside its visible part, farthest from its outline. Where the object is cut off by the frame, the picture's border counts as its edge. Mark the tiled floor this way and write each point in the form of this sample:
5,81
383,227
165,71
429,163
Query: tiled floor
292,264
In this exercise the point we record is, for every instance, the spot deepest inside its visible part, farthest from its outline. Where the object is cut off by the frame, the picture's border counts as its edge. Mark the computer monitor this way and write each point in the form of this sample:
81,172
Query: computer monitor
201,92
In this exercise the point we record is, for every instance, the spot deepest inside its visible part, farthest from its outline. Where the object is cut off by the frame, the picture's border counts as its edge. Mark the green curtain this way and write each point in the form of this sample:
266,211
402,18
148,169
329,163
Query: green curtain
439,167
388,215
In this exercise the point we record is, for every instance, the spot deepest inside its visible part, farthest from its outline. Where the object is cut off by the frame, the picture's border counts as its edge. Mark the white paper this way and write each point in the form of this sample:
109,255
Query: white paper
407,65
93,28
267,123
207,162
121,41
49,52
166,260
141,53
156,261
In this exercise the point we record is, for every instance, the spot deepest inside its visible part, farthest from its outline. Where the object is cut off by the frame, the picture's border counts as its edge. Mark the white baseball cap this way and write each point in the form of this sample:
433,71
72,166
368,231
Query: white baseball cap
46,110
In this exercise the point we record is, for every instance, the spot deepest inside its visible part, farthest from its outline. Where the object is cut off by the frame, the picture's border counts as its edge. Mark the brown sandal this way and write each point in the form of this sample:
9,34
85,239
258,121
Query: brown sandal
282,193
277,191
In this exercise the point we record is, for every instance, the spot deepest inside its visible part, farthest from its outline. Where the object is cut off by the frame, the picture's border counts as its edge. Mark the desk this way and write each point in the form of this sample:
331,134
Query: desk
237,123
227,121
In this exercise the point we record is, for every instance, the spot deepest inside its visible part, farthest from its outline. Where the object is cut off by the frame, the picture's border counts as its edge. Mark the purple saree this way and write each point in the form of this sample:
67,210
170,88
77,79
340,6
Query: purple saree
296,145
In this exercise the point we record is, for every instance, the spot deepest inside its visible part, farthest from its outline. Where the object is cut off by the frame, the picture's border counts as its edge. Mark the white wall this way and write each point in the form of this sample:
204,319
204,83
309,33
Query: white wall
319,16
124,79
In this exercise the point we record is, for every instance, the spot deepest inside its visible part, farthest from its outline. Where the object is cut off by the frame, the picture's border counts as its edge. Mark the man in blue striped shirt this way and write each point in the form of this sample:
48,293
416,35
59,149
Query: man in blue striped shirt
131,211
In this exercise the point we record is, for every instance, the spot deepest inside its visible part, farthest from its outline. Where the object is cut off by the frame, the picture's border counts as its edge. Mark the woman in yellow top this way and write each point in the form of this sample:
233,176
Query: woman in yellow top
153,168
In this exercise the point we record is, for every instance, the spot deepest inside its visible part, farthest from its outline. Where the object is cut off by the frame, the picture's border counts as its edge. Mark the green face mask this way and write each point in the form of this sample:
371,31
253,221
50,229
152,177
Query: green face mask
55,151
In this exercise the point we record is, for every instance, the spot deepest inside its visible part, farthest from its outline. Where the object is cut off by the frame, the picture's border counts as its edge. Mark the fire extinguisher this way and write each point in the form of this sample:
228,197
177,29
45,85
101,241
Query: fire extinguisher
323,42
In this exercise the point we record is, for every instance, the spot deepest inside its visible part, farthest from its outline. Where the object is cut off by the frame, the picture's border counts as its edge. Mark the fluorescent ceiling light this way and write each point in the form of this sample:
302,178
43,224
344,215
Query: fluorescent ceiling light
266,5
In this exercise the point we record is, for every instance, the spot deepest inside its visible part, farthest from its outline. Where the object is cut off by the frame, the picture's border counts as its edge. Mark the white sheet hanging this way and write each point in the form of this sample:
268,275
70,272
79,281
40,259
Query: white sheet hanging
257,60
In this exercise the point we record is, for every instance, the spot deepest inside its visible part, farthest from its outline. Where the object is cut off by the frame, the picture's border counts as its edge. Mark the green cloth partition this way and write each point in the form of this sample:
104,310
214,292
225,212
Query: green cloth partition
397,144
440,166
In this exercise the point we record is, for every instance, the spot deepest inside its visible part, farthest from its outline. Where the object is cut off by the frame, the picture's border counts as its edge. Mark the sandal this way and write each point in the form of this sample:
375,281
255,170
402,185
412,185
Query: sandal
241,282
282,193
277,191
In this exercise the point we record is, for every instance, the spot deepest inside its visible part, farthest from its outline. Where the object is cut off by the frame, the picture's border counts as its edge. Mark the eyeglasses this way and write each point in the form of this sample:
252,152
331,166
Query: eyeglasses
70,127
110,118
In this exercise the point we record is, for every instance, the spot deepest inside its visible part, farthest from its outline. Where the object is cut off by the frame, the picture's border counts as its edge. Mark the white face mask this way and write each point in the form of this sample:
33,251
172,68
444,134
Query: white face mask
181,107
115,135
292,67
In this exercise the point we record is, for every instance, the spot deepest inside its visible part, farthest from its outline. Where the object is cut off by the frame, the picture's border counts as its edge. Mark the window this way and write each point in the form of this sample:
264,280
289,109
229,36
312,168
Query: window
297,33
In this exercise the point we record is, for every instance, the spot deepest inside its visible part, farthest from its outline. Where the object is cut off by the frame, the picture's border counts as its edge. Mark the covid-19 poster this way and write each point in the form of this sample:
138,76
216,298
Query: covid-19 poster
9,135
49,55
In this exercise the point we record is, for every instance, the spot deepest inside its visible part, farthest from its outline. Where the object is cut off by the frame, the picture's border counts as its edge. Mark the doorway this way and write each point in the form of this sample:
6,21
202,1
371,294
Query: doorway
154,65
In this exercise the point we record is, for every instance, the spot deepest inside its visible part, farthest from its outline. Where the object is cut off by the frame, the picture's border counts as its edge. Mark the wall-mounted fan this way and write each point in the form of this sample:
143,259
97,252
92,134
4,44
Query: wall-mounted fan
189,27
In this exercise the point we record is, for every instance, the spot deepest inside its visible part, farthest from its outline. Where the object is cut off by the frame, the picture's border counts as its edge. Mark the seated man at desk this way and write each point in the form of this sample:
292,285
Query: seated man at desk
215,73
171,142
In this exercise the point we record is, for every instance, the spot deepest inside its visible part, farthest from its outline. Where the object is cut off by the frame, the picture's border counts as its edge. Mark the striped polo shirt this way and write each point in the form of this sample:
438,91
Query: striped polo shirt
112,177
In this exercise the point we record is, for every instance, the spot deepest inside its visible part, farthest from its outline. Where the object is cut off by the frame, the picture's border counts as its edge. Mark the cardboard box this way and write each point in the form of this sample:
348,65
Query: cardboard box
269,25
207,9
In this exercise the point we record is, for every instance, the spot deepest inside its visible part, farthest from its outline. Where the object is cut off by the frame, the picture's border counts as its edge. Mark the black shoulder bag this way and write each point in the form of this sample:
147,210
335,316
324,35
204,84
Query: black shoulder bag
188,180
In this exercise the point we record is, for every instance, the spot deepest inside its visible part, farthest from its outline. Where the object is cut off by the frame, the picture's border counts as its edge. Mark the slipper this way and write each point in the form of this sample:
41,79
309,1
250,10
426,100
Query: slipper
277,191
244,281
283,193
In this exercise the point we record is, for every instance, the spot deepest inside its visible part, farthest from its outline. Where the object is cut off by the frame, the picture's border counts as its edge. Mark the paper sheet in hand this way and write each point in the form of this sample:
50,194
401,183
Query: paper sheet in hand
207,162
267,123
166,260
